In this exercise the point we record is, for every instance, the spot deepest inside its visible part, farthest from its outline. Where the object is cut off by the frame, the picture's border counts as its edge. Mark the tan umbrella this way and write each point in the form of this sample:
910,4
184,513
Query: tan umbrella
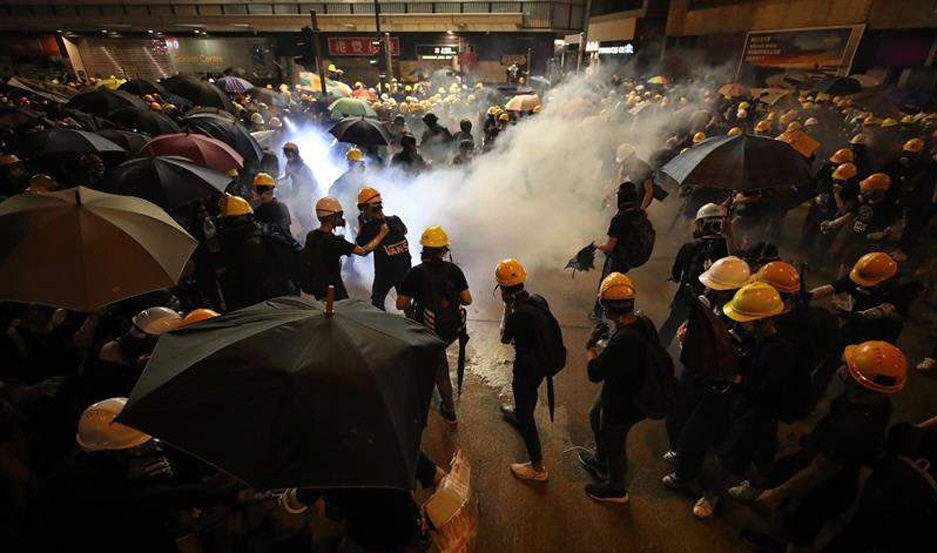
523,102
83,249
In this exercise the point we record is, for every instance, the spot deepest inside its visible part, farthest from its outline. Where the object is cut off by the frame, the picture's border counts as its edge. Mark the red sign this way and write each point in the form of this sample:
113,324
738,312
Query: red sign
359,46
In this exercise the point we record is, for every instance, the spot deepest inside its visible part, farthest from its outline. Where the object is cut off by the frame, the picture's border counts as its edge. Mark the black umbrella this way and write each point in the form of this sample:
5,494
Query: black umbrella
144,120
130,141
280,394
199,92
361,131
230,132
141,87
167,181
71,141
89,122
739,163
839,86
103,101
269,97
14,117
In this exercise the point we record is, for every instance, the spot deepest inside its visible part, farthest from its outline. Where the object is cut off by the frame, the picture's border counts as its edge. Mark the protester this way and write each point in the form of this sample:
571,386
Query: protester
270,211
392,256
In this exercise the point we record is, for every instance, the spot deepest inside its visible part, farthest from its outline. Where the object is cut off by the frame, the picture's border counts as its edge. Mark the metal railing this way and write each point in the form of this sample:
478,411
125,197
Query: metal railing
538,14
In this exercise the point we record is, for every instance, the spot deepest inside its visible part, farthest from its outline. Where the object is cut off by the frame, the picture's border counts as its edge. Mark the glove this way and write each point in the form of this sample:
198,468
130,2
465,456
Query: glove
599,332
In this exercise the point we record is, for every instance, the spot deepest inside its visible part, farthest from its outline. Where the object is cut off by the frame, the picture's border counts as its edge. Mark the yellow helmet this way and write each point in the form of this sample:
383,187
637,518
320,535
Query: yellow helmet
617,286
264,179
763,126
793,126
860,138
9,159
842,155
728,273
779,274
874,182
699,137
368,195
915,146
41,181
198,315
434,237
510,272
811,122
873,269
236,206
504,117
744,105
845,171
889,122
870,121
877,365
907,120
233,173
494,110
97,430
787,118
734,131
354,154
753,302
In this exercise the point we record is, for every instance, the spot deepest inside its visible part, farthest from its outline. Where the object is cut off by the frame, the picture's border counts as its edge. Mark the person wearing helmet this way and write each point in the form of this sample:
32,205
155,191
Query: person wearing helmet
408,158
270,211
465,154
823,475
303,184
436,140
916,192
873,218
433,293
324,249
634,169
862,157
708,246
528,324
392,256
837,193
346,186
257,121
626,359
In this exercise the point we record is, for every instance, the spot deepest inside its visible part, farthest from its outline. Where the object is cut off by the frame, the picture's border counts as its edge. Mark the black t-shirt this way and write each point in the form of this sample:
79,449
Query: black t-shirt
868,218
850,433
273,213
393,253
322,260
694,258
449,280
864,297
520,327
622,223
621,368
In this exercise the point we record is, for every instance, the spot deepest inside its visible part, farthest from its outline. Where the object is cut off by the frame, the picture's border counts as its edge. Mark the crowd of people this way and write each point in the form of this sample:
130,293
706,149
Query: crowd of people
758,348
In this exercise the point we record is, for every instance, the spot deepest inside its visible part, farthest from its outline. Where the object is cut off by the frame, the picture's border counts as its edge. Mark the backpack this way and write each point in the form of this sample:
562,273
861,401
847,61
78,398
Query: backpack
442,311
550,354
636,250
658,388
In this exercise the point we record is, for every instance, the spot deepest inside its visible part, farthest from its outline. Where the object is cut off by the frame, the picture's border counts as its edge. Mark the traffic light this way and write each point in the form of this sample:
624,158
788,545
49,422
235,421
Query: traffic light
306,45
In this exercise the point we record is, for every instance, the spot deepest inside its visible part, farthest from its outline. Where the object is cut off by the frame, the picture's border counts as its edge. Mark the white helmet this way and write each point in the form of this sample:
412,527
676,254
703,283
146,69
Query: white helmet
624,151
328,206
257,119
728,273
710,211
274,123
156,320
97,430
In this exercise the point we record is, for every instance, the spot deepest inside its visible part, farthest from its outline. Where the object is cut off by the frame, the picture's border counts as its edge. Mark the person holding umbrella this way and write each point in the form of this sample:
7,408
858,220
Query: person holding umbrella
392,257
270,211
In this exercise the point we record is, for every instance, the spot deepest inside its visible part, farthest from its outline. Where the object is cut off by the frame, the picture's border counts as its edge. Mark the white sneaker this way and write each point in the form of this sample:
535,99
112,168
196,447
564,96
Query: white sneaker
670,456
526,471
703,508
927,365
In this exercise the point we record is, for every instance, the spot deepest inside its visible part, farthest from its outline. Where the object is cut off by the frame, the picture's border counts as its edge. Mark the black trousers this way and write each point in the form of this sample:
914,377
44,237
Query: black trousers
611,438
679,311
384,280
525,401
687,395
704,428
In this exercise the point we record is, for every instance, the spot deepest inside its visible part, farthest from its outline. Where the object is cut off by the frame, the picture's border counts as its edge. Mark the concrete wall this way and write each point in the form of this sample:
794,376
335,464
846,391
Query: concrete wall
765,14
902,14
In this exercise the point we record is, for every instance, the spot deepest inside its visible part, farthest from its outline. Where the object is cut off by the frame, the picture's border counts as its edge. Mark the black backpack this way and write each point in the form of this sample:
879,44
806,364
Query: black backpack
442,311
658,388
550,353
637,248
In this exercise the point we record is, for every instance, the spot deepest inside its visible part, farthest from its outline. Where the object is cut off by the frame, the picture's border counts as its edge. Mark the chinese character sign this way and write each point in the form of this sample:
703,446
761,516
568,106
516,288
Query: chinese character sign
359,46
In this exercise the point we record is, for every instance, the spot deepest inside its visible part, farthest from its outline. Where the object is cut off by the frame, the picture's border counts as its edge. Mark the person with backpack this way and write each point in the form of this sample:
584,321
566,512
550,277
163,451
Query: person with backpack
433,293
392,256
322,255
630,237
539,353
633,369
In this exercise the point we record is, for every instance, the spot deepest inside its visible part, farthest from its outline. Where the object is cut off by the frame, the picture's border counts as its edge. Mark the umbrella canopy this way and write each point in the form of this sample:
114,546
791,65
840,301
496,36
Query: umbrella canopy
360,131
734,90
89,122
269,97
214,111
839,86
228,131
13,117
351,107
280,394
364,94
168,181
523,102
53,93
144,120
739,163
312,83
198,148
200,93
83,249
234,85
103,101
144,86
71,141
130,141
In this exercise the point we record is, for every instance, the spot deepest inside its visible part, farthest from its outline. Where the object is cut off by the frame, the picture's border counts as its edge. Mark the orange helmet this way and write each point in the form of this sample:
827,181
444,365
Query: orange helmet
198,315
368,195
915,146
877,365
875,181
845,171
873,268
842,155
782,276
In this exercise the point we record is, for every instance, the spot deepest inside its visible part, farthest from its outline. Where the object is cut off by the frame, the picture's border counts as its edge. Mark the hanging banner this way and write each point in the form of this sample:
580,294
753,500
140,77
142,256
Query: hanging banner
817,53
359,46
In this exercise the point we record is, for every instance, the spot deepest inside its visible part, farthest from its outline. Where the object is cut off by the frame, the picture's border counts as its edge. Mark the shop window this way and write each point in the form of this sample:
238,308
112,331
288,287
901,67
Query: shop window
420,7
235,9
260,9
286,9
210,9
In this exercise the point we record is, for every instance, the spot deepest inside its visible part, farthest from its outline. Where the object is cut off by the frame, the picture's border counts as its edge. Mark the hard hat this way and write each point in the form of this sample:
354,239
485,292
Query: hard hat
907,120
845,171
811,122
332,67
198,315
9,159
915,146
877,365
710,210
328,206
155,106
97,430
889,122
623,152
354,154
504,117
741,114
842,155
257,119
787,118
735,131
763,126
233,173
291,146
728,273
236,206
753,302
41,181
156,320
870,121
699,137
617,286
793,126
510,272
744,105
434,237
779,274
274,123
359,84
263,179
860,138
149,98
875,181
368,195
873,269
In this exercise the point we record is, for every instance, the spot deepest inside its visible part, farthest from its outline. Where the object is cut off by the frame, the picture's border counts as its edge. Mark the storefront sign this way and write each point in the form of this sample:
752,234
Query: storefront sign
437,51
826,51
592,46
360,46
617,50
511,59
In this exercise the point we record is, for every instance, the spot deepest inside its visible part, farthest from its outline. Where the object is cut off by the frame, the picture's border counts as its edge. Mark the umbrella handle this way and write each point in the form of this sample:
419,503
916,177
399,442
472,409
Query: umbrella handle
330,301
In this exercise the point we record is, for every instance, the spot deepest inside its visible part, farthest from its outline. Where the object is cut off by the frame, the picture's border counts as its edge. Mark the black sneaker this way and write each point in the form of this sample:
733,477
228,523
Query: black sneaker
448,416
606,493
591,464
674,482
508,413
